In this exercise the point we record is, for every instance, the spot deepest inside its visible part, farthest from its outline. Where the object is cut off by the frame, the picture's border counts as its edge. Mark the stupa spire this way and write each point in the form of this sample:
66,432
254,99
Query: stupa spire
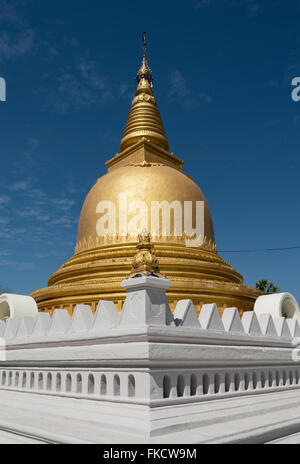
144,120
145,72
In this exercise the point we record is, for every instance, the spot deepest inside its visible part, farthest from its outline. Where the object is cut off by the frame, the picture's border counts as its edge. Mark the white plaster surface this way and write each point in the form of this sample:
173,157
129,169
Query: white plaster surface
278,305
12,305
251,419
151,377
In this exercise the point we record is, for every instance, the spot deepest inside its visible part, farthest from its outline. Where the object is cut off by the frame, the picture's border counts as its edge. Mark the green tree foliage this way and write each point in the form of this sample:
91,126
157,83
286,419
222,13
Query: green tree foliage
267,286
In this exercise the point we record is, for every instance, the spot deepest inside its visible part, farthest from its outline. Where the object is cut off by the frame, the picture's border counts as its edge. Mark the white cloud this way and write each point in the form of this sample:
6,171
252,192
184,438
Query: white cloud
63,203
125,91
201,3
79,83
252,7
5,253
47,254
17,265
16,37
179,86
11,233
38,196
19,186
4,199
34,212
66,222
13,45
33,142
30,212
253,10
181,93
205,97
9,14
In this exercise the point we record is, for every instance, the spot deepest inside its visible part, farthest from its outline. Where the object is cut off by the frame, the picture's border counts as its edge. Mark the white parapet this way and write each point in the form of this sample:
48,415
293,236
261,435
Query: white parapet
17,306
278,305
183,348
146,358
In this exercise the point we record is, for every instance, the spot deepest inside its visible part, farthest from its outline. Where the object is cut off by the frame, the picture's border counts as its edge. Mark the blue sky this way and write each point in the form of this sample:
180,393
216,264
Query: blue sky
222,71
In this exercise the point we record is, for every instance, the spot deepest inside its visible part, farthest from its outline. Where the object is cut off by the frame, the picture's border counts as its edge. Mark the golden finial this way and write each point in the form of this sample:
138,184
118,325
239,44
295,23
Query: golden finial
144,72
144,262
144,43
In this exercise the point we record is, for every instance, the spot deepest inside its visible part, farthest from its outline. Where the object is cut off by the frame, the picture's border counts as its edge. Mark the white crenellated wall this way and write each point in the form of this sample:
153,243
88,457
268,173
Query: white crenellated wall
147,355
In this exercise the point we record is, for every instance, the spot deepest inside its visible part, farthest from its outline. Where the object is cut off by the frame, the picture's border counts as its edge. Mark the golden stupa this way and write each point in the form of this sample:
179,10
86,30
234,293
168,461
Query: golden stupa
143,171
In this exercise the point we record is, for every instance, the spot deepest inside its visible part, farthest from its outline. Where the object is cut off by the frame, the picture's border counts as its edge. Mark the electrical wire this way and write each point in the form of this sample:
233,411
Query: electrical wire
260,249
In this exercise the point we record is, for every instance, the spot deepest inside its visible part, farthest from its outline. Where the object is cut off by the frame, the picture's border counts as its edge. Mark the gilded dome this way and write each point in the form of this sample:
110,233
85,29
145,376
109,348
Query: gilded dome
148,183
